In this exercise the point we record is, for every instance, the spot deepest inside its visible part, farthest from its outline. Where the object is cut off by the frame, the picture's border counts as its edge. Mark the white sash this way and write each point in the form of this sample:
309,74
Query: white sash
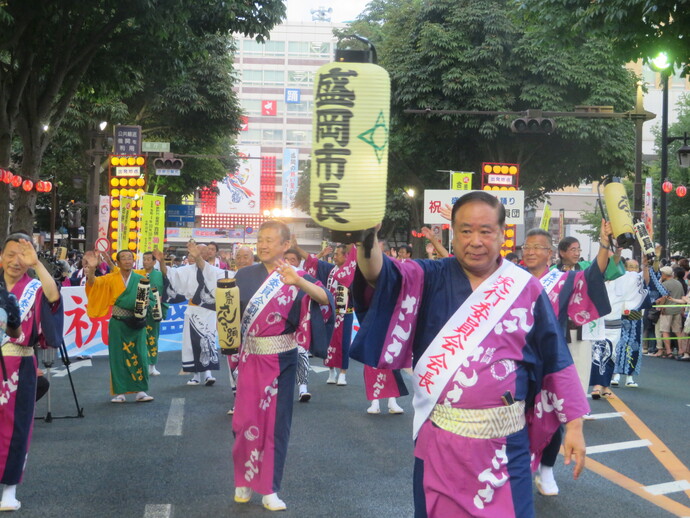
462,334
550,280
266,292
26,301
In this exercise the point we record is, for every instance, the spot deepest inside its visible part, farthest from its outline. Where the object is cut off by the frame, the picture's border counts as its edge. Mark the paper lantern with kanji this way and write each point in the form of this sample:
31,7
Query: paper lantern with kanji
618,208
350,146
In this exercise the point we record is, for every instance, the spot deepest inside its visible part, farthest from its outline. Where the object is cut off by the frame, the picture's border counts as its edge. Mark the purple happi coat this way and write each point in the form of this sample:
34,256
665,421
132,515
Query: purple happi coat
41,325
265,382
455,475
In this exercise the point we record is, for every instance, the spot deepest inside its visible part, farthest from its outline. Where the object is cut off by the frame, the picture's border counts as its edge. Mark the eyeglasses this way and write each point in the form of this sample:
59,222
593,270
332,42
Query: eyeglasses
535,247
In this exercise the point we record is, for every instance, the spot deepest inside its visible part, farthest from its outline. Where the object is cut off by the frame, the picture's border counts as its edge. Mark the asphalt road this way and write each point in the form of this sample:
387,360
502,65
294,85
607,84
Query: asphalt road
138,460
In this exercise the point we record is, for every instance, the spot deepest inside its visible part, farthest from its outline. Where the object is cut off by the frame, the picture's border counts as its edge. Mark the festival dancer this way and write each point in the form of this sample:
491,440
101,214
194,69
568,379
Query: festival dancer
577,297
37,321
127,352
153,326
486,376
197,282
281,308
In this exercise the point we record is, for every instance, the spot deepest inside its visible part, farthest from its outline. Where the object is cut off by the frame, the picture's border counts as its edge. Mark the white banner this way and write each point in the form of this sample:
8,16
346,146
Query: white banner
436,199
89,336
649,208
103,218
240,191
290,176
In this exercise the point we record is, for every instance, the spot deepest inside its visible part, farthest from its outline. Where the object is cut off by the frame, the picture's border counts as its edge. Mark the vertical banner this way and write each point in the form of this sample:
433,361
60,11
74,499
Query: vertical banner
561,224
545,217
152,223
240,191
648,208
460,181
290,176
103,216
124,219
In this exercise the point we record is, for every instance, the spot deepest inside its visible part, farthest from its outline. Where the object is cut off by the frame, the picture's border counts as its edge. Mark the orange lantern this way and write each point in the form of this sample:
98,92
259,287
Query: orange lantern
667,186
27,185
16,181
681,191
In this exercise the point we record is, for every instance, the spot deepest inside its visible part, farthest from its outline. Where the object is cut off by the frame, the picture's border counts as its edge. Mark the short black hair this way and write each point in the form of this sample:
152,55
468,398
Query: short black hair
565,243
484,197
408,248
292,251
117,257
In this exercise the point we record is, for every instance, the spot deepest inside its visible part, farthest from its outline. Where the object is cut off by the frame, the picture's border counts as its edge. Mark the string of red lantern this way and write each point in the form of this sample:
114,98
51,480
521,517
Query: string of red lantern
667,187
17,181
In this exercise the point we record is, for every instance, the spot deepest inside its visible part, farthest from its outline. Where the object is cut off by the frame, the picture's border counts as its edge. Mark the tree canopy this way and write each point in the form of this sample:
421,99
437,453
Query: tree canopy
164,58
638,29
488,55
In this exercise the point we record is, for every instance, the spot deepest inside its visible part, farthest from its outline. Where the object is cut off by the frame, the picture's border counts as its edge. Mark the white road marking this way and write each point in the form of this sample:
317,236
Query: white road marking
173,425
668,487
607,415
318,370
73,367
615,446
157,511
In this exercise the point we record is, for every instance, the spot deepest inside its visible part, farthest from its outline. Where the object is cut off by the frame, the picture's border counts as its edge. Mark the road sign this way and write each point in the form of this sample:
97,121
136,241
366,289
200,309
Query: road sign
102,244
168,172
153,147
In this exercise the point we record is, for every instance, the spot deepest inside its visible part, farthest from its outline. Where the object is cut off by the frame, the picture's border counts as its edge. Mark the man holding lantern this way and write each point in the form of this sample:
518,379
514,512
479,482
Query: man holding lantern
491,387
127,352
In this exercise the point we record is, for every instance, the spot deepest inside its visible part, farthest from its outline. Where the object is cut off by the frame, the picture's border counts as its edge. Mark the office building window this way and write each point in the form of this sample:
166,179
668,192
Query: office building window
303,108
311,49
272,136
300,78
263,77
251,106
270,48
252,136
297,137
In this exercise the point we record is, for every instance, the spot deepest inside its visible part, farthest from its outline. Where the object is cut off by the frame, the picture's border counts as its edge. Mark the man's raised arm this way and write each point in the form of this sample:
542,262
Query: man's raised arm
370,256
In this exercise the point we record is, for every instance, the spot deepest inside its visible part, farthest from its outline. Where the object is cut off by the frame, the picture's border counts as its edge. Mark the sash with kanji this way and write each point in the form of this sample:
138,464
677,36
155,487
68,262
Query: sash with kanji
26,302
263,295
462,334
550,280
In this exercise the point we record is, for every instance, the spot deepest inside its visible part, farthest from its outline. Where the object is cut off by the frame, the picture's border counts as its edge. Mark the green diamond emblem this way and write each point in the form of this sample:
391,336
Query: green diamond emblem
377,136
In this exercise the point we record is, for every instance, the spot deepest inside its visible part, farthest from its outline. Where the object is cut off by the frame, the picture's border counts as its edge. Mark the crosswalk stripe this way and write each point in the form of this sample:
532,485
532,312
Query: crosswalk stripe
615,446
157,511
173,425
668,487
606,415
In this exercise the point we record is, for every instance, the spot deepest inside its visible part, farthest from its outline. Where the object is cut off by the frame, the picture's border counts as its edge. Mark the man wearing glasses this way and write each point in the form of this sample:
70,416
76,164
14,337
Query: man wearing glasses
578,296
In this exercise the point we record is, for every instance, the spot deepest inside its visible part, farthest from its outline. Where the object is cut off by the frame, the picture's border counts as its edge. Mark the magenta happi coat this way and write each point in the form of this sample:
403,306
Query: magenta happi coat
415,301
41,325
265,382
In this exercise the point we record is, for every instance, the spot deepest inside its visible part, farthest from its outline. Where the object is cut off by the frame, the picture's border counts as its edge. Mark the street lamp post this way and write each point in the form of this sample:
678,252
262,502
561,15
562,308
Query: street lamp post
94,185
663,225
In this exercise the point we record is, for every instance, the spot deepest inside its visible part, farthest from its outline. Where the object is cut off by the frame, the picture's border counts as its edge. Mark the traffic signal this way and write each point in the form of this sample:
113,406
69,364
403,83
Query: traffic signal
533,125
168,163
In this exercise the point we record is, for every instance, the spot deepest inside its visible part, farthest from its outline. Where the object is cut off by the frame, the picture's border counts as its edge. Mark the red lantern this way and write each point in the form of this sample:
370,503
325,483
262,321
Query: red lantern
39,186
681,191
27,185
48,186
667,186
16,181
6,176
3,175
